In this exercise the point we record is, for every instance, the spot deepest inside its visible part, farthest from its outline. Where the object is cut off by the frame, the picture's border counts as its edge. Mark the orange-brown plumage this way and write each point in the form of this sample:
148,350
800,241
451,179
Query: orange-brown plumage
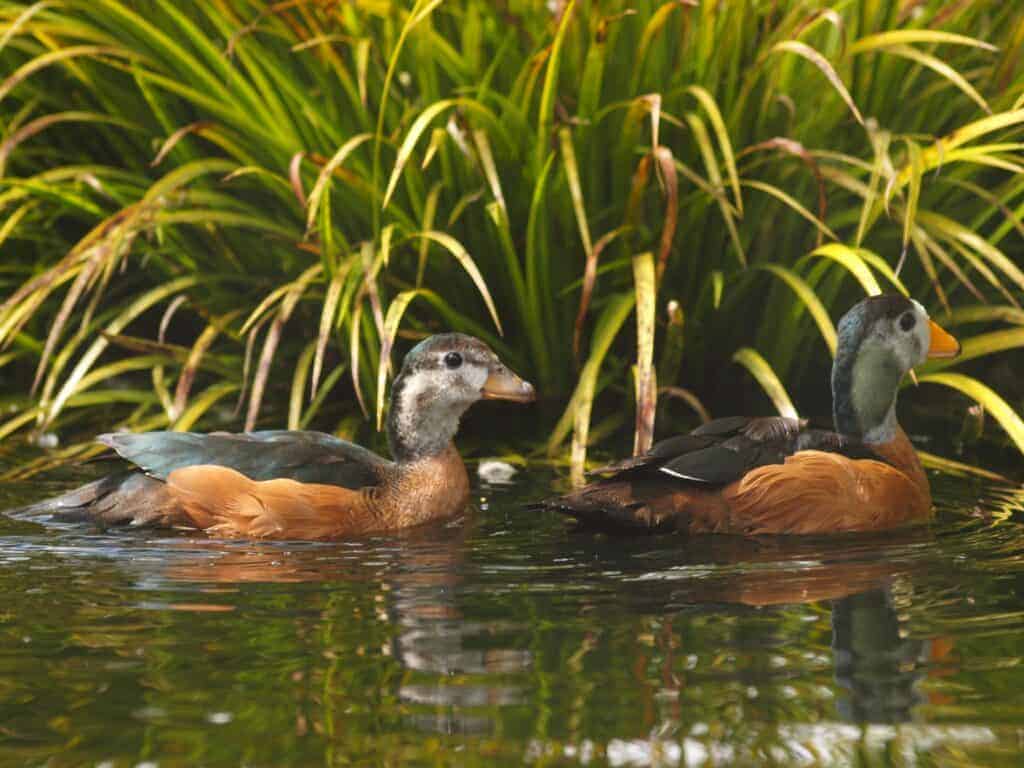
777,475
846,495
228,504
309,485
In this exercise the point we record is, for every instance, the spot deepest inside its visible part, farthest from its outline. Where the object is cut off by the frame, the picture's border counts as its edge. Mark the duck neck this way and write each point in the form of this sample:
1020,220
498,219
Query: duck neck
421,422
901,454
864,384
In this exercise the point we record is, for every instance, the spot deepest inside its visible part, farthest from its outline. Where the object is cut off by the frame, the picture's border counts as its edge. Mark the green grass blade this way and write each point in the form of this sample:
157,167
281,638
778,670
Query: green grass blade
788,200
902,37
762,372
299,378
823,64
323,178
202,404
645,290
545,113
853,262
51,409
608,326
982,345
461,255
809,299
391,322
707,101
987,398
572,174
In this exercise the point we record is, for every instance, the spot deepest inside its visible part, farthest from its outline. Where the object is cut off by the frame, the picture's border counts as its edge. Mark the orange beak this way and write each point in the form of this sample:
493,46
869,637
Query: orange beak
502,384
943,344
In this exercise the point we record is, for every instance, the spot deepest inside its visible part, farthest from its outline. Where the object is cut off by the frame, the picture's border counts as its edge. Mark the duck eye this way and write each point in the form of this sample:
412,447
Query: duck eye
907,321
453,360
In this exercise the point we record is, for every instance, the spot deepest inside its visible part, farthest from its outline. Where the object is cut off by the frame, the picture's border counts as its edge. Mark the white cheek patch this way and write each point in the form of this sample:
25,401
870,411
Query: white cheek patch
414,391
431,403
475,377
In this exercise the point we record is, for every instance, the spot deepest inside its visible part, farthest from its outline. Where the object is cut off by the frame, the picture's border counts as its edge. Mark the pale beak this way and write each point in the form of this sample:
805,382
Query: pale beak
942,344
502,384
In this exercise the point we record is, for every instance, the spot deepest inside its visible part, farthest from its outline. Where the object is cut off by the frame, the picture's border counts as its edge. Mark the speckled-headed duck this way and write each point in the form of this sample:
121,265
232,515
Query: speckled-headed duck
309,485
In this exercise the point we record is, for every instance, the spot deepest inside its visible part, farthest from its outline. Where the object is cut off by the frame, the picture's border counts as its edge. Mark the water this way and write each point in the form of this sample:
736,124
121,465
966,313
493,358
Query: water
508,639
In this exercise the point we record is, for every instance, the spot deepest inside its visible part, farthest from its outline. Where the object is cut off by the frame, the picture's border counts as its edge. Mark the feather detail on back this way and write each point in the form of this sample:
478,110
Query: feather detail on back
816,492
312,457
226,503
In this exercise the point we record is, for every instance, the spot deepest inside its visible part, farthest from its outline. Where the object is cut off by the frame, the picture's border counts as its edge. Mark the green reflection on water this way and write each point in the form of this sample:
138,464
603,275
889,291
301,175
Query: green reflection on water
507,639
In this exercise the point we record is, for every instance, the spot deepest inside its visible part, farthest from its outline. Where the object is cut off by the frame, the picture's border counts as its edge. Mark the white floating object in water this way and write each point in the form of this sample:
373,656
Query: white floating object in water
496,472
47,440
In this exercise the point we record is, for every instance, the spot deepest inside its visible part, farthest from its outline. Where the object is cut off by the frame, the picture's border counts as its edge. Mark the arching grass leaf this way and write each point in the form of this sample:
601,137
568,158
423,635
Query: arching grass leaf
987,398
810,300
762,372
813,56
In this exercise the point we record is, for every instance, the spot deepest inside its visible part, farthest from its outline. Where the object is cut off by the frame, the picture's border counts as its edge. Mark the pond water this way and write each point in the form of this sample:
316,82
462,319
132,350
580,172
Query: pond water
509,639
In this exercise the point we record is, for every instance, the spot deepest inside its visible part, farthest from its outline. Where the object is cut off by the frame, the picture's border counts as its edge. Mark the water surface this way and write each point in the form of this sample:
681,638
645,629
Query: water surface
508,639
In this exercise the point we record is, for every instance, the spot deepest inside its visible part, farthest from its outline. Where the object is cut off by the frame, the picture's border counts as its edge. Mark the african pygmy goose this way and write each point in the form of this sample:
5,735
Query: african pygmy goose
309,485
777,475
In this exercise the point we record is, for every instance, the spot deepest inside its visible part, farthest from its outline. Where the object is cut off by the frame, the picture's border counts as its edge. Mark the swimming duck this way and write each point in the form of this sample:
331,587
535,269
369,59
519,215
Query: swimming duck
309,485
778,475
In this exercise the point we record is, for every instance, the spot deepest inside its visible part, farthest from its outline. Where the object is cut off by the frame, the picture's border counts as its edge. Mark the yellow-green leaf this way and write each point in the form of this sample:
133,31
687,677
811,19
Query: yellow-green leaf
645,288
810,299
987,398
813,56
456,249
765,376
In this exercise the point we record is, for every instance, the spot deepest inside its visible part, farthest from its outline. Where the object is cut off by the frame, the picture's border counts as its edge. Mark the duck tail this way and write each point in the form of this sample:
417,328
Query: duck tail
611,505
73,505
129,497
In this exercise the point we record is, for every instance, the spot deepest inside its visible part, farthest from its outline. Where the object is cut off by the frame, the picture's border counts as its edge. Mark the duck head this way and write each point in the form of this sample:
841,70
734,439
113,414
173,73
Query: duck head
440,379
879,341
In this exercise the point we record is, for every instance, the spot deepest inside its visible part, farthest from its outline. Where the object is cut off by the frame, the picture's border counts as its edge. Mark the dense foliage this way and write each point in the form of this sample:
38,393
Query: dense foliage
205,202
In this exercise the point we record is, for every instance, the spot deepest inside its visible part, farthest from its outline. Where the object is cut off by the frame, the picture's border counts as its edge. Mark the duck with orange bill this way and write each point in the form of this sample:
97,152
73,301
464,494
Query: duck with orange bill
778,475
284,484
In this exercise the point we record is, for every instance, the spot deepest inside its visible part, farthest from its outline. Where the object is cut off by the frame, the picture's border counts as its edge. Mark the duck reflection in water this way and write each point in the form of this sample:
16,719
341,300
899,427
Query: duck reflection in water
454,669
450,666
878,664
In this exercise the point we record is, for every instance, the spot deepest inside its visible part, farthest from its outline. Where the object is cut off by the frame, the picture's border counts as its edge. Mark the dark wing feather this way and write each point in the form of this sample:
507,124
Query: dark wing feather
660,453
308,457
679,477
724,450
716,465
727,426
832,442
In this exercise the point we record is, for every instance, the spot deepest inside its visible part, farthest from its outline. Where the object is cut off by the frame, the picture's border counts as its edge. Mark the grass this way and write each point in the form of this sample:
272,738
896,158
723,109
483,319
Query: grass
205,205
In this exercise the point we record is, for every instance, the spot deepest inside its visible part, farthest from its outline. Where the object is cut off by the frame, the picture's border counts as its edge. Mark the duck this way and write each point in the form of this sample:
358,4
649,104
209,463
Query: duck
306,485
781,475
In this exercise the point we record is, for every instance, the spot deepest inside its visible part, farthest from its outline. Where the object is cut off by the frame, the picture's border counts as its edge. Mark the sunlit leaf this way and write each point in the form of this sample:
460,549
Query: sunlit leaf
810,300
762,372
813,56
987,398
645,288
456,249
722,134
900,37
853,262
391,322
